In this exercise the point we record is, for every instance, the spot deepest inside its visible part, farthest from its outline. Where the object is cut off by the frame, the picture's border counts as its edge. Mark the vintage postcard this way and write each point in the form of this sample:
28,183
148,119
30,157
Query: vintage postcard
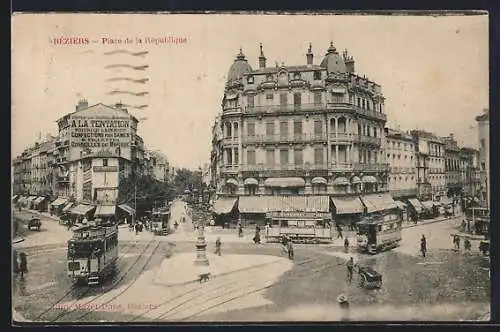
250,167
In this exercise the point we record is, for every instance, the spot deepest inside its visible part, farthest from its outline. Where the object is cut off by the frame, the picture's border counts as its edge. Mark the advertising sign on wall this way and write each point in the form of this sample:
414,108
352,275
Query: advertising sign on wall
100,131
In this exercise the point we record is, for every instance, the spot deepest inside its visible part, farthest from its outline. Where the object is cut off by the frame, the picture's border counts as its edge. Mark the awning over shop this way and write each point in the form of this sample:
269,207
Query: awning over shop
400,205
284,182
347,205
318,204
22,200
67,207
318,180
429,205
232,182
14,197
378,202
255,204
127,209
224,205
416,204
82,209
59,201
39,200
368,179
105,210
341,181
355,180
251,182
31,199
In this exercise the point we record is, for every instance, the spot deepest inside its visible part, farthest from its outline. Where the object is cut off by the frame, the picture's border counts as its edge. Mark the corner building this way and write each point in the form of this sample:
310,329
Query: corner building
307,131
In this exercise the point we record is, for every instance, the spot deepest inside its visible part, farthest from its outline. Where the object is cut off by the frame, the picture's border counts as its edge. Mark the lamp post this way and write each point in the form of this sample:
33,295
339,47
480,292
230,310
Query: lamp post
201,244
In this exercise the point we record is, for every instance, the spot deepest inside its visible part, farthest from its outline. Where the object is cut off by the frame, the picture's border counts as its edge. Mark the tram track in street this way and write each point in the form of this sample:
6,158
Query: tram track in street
197,291
252,290
114,283
75,288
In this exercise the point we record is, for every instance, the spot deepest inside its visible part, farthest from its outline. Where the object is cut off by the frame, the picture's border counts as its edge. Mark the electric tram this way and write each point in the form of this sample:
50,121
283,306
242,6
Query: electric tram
379,233
92,253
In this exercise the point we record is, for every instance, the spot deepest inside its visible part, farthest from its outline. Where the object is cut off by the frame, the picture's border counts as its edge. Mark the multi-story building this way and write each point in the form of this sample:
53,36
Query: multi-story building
453,167
400,152
300,130
430,165
157,165
470,174
483,122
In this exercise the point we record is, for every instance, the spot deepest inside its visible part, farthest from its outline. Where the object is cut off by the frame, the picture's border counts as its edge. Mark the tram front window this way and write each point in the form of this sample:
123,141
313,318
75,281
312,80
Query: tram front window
369,231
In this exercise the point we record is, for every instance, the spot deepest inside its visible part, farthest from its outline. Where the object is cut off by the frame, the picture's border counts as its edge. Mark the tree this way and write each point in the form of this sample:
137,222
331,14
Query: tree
186,179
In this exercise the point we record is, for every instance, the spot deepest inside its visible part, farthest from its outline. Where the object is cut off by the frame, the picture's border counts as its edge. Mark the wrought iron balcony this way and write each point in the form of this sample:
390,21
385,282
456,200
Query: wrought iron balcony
345,107
284,108
343,137
230,140
232,109
370,140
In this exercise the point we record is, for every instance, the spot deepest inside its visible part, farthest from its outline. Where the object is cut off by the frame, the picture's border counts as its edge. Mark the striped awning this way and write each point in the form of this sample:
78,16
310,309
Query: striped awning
318,180
67,207
39,200
31,199
355,180
224,205
59,201
378,202
347,205
429,205
82,209
232,181
105,210
255,204
251,182
369,179
416,204
284,182
130,210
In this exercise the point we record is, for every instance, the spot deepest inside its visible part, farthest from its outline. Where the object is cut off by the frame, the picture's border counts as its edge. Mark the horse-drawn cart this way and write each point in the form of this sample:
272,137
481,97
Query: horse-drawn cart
369,278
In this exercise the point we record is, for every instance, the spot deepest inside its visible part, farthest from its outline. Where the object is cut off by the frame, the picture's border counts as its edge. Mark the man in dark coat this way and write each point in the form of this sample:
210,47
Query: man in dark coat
423,245
23,266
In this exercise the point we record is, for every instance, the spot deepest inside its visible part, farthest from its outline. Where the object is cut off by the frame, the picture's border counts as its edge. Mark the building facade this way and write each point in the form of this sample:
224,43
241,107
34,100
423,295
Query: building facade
156,165
400,153
483,122
299,130
430,165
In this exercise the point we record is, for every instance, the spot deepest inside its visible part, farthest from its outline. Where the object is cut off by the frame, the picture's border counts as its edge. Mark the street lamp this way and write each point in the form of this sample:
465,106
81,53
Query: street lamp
201,244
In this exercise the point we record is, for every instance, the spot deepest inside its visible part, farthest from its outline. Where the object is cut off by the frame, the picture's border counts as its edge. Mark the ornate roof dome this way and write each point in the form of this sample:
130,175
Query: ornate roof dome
332,61
239,67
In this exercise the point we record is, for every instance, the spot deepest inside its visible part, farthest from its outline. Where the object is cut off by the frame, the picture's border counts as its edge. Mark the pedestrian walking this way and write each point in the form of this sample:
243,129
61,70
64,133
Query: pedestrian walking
256,238
346,244
339,232
218,245
23,264
350,269
457,242
423,246
240,230
467,245
290,250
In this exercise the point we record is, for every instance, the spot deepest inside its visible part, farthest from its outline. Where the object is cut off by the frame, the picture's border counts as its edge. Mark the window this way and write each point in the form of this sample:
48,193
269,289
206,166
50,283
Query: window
270,128
483,143
270,157
318,156
359,102
363,105
284,157
269,96
318,127
337,97
250,79
399,156
317,75
105,162
317,98
284,129
251,157
297,128
251,129
250,101
283,99
297,99
297,154
236,157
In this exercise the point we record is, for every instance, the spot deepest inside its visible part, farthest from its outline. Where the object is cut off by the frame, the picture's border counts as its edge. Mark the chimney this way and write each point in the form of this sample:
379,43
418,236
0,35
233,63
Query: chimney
262,58
82,104
309,55
349,62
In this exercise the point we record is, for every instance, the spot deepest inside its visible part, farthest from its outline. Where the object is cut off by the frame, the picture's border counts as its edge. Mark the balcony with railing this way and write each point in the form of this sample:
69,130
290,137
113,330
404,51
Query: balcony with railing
231,109
230,140
343,107
230,168
370,140
339,166
343,137
269,109
295,138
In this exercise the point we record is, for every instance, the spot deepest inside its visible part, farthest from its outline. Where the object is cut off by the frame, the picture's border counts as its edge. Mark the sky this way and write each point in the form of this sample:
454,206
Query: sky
434,71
